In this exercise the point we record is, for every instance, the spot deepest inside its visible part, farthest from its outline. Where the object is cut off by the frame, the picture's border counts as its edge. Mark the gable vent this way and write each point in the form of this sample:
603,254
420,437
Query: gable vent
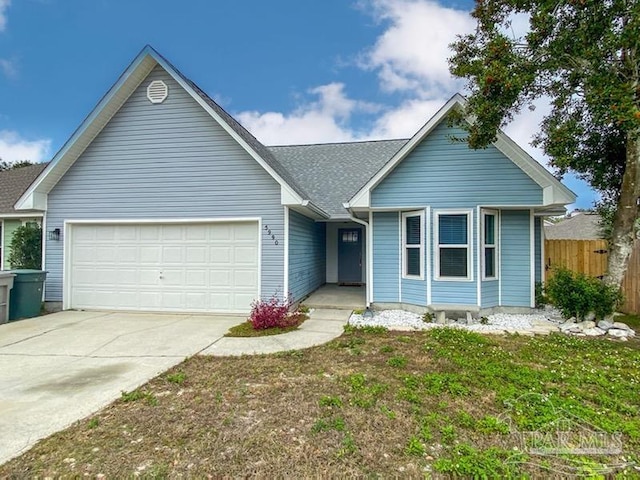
157,91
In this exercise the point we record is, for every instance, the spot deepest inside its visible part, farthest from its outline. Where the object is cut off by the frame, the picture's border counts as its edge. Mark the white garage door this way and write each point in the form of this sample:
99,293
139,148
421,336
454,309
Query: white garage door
164,267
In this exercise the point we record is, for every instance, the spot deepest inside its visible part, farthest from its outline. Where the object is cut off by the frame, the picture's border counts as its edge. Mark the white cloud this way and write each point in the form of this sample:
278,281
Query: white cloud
8,68
411,55
4,5
405,120
15,148
321,120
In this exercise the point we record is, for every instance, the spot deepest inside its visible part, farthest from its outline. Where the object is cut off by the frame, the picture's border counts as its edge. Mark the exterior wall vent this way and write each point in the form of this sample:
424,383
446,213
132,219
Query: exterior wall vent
157,91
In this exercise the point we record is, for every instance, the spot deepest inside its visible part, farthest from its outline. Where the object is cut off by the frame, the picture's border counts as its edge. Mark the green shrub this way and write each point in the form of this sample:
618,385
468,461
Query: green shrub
541,298
427,317
26,247
576,294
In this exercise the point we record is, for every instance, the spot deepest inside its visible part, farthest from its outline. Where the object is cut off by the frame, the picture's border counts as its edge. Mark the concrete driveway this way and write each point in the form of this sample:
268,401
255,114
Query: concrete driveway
62,367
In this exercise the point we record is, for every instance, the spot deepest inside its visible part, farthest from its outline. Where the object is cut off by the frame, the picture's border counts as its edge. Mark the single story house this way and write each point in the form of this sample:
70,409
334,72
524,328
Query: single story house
13,184
164,202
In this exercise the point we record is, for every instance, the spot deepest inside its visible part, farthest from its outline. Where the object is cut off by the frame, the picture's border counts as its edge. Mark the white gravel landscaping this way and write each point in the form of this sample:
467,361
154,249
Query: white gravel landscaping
497,323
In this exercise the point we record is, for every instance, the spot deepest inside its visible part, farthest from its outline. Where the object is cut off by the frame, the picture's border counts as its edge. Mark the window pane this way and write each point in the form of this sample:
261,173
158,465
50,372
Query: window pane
413,261
412,230
452,229
490,262
489,229
453,262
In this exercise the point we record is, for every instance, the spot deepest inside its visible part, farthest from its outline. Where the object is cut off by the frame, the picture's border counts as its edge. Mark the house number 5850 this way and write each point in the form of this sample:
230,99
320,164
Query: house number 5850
270,233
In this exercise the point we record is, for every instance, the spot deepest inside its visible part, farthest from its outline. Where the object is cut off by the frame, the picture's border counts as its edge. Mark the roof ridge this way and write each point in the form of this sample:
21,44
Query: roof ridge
353,142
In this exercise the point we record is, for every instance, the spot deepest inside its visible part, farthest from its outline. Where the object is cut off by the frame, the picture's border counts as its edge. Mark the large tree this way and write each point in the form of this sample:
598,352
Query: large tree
584,56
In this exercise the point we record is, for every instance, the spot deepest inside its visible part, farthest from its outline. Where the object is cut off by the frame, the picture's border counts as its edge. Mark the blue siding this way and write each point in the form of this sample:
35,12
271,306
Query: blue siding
515,259
451,175
490,293
386,257
538,225
168,160
307,253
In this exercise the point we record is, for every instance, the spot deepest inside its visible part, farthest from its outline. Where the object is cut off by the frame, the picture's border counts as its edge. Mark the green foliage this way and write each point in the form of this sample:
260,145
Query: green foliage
576,294
137,394
397,361
177,377
469,462
4,165
330,401
93,423
26,247
541,298
427,317
582,56
414,447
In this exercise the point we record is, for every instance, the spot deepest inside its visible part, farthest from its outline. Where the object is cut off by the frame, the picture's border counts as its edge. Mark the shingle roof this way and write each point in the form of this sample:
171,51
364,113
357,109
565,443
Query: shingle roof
332,173
13,184
582,226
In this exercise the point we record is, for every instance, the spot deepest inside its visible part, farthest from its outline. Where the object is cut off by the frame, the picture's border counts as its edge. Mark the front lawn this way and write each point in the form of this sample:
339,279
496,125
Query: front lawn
443,402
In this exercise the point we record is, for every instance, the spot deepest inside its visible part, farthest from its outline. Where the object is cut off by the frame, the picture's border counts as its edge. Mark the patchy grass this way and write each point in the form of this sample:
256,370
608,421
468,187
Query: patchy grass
245,329
443,403
632,320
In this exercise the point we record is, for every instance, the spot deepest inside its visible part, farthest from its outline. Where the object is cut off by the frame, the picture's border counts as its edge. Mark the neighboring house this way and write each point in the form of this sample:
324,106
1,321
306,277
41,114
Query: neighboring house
580,226
165,202
13,184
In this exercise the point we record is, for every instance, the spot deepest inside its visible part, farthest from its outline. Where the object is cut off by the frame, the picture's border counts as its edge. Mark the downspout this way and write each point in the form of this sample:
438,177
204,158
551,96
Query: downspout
369,244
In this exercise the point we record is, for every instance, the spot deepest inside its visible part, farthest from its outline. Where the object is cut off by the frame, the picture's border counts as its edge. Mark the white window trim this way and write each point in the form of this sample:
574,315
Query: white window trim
420,247
468,245
494,245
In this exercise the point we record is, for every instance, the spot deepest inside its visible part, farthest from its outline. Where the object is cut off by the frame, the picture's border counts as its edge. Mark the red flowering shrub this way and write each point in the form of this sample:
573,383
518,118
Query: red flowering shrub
270,313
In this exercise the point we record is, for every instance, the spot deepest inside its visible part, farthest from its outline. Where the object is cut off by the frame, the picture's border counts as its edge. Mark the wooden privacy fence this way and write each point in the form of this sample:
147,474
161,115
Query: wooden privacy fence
590,257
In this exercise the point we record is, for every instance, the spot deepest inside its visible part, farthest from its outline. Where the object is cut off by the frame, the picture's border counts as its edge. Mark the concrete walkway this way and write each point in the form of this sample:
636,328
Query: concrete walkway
323,326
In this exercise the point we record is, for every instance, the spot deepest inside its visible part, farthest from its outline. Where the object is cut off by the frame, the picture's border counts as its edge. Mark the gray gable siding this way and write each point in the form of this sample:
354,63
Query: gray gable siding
168,160
307,255
446,174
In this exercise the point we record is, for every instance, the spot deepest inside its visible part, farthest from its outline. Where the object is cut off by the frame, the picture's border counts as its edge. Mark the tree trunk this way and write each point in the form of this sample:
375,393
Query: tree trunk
628,210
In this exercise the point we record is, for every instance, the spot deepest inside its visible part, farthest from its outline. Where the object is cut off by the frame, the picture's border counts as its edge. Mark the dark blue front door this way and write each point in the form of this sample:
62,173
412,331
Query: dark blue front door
350,256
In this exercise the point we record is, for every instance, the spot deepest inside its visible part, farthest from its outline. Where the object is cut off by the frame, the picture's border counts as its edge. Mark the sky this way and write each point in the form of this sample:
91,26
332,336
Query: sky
291,71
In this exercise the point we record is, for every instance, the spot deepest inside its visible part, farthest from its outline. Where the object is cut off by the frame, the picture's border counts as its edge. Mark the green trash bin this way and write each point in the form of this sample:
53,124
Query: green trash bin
26,294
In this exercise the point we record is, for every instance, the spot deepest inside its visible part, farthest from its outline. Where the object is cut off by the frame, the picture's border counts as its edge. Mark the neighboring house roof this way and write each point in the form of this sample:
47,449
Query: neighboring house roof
13,184
581,226
555,194
147,59
333,172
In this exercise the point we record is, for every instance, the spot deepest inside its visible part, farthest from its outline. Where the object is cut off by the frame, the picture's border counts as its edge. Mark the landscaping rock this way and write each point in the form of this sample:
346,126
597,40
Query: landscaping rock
590,317
605,325
618,333
594,332
586,325
568,326
571,320
621,326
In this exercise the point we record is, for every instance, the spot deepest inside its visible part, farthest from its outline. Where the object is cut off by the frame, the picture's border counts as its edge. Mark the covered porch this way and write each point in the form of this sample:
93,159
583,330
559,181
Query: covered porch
341,297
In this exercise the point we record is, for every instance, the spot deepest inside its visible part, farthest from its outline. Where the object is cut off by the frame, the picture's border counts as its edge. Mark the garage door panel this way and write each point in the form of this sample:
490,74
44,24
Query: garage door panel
173,267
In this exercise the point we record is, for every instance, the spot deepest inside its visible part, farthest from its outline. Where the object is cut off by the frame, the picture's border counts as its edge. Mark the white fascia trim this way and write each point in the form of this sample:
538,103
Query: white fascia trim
129,221
532,257
369,234
421,247
469,246
478,250
2,244
30,198
483,213
362,197
369,255
286,251
178,78
553,190
499,259
22,215
428,251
